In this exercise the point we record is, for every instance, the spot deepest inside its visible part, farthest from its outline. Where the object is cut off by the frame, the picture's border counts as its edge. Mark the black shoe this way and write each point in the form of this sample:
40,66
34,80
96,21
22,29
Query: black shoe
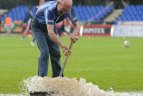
39,94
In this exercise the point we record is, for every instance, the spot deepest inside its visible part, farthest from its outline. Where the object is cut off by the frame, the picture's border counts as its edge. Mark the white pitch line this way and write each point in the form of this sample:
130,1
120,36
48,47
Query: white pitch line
130,94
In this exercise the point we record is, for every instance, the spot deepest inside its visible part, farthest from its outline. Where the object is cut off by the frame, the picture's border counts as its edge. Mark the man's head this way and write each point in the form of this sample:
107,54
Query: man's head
41,2
64,6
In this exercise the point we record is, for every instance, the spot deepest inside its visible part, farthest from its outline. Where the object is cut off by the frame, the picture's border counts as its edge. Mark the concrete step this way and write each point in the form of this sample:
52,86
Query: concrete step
113,16
3,11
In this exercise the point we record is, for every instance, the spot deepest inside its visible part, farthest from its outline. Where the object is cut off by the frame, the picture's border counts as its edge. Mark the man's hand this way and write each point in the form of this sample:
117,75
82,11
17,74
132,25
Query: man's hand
73,37
66,50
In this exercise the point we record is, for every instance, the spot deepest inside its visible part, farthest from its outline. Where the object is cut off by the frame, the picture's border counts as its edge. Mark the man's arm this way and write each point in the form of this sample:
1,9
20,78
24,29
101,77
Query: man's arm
77,28
54,37
76,33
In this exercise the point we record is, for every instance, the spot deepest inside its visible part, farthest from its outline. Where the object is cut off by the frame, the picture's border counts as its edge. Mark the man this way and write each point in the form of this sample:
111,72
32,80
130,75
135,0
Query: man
32,10
8,24
30,14
43,26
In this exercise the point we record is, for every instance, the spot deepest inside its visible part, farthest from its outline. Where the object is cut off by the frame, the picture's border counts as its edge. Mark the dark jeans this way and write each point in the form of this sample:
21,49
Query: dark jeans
47,48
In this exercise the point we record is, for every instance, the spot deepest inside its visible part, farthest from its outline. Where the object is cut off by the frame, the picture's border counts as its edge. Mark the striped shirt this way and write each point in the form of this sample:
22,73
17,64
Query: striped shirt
47,14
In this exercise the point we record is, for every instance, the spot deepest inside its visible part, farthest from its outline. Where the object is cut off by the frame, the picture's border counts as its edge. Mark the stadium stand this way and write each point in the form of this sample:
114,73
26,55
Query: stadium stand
17,13
132,13
87,12
96,13
83,13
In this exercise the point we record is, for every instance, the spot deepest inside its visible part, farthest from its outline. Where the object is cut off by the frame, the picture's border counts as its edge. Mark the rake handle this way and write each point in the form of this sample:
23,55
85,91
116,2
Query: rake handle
65,61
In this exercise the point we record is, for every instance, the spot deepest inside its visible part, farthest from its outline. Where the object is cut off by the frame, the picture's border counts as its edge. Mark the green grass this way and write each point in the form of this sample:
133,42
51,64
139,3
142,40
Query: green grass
101,60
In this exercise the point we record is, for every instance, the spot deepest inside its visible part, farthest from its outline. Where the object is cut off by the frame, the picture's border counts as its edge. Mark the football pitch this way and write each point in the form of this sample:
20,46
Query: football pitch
101,60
